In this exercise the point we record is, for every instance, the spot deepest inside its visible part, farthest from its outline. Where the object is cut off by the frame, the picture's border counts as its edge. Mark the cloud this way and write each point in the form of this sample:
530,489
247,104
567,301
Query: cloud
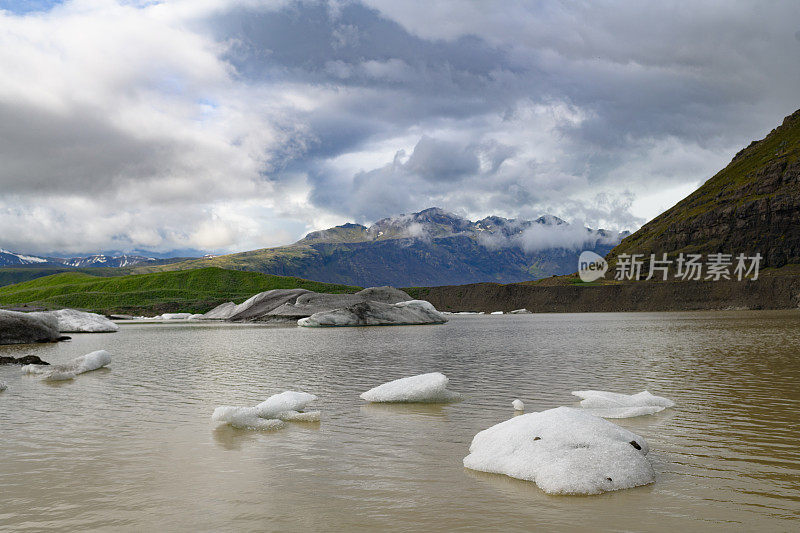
235,124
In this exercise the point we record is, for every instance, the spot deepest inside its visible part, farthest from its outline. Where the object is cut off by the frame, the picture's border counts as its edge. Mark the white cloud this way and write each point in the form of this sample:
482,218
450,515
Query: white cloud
237,124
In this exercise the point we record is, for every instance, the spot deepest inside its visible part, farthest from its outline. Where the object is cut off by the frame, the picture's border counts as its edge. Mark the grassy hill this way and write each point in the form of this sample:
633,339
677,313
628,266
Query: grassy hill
11,275
194,291
752,205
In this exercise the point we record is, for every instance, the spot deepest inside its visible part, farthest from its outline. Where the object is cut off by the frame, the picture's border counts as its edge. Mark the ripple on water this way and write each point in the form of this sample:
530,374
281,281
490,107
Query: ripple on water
133,447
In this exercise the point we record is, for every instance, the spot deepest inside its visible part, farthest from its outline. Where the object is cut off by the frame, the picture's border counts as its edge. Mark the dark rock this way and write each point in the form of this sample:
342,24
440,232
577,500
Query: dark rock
23,328
24,360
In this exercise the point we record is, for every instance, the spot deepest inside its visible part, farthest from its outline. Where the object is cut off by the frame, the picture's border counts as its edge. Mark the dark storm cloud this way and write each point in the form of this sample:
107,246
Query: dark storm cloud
214,124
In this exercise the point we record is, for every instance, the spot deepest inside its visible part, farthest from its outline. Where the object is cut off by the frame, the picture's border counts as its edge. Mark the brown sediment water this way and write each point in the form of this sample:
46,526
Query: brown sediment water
132,447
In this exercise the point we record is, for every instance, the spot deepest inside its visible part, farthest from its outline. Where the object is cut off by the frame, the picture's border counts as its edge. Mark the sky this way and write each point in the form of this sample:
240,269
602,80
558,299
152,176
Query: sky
230,125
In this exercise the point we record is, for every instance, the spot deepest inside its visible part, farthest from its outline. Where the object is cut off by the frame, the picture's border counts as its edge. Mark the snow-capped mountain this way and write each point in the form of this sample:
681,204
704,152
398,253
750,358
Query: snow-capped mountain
15,259
431,247
109,261
9,258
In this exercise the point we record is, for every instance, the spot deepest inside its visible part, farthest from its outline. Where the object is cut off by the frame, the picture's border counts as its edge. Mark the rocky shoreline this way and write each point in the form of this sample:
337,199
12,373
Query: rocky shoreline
775,292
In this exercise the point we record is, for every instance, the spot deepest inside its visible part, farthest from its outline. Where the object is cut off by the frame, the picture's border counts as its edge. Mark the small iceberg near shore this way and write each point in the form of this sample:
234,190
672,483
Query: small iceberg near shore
79,365
423,388
615,405
272,413
563,451
74,321
371,313
518,405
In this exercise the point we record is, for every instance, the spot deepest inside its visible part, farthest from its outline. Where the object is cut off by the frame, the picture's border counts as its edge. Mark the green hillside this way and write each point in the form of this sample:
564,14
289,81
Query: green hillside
194,291
751,206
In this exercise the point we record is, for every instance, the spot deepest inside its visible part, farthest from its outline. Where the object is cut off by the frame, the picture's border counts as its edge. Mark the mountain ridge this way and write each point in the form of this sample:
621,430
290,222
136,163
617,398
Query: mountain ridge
750,206
429,247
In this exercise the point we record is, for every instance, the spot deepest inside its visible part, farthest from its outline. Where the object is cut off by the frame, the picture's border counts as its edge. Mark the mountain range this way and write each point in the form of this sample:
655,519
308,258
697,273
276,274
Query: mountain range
431,247
13,259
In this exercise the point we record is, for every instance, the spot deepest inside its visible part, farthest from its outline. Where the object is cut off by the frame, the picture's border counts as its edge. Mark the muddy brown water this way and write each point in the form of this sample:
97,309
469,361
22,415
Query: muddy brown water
132,447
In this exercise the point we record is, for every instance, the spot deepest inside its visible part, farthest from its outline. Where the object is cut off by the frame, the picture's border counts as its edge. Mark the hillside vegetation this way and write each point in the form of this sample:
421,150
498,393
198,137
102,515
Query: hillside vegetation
194,291
752,205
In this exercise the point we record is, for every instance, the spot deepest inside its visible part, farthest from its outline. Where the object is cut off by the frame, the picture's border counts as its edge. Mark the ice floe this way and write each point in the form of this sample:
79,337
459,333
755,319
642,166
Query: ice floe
175,316
563,451
74,321
518,405
272,413
519,312
496,313
430,388
615,405
79,365
410,312
3,386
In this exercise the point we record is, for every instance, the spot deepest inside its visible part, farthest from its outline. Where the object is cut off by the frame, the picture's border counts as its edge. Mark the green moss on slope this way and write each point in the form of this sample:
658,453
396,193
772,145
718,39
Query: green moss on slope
196,290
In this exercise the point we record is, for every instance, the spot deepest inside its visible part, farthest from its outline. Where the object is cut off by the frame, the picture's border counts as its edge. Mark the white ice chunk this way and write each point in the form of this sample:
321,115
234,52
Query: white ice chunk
410,312
522,311
285,401
496,313
269,414
245,418
74,321
176,316
424,388
79,365
3,386
518,405
614,405
563,451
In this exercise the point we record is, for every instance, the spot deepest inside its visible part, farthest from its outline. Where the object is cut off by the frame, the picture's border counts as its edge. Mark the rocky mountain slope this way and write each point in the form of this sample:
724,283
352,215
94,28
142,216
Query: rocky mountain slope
751,206
432,247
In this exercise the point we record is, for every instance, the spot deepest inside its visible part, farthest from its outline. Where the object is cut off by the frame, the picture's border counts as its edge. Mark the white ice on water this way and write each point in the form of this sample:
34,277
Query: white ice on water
79,365
423,388
410,312
272,413
175,316
615,405
74,321
3,386
563,451
518,405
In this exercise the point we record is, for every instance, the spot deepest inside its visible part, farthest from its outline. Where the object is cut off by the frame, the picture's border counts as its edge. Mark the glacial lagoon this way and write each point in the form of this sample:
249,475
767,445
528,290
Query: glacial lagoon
133,446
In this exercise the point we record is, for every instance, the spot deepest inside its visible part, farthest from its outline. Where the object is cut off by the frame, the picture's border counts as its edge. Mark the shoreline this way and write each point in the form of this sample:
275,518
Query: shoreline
768,293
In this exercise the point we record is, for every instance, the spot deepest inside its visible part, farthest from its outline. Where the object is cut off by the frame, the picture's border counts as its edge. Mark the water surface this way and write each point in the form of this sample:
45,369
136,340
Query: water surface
132,447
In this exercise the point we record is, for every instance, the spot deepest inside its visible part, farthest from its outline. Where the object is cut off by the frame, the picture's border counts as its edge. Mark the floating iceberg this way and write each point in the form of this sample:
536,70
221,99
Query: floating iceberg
175,316
518,405
519,312
563,451
272,413
24,328
79,365
3,386
406,313
74,321
496,313
615,405
424,388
